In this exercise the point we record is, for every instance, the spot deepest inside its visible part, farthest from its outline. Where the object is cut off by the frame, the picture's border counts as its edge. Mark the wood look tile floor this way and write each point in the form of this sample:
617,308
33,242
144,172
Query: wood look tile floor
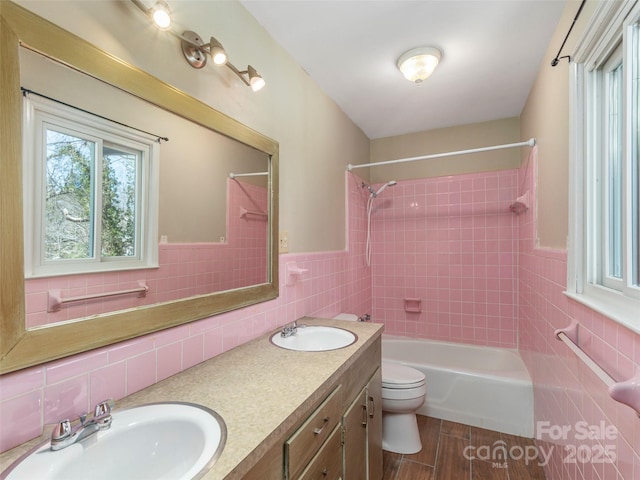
443,455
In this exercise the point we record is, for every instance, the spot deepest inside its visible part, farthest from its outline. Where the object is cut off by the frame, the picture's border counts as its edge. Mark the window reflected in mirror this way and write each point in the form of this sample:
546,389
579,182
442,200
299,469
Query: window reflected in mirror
110,206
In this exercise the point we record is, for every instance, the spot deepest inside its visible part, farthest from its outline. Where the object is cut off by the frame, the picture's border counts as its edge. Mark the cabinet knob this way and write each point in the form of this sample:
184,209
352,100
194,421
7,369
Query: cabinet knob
325,472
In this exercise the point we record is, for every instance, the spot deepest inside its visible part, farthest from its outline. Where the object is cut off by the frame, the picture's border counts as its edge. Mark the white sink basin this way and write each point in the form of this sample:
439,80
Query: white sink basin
157,441
315,338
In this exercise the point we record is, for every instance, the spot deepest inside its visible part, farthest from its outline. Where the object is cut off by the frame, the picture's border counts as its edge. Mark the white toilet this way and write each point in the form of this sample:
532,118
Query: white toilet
403,392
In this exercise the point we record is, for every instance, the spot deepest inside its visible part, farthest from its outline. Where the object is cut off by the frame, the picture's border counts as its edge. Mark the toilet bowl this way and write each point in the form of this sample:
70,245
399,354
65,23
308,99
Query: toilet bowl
403,392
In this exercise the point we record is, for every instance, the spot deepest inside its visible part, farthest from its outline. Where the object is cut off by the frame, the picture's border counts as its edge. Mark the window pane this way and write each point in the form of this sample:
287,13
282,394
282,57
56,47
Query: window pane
68,224
119,181
614,173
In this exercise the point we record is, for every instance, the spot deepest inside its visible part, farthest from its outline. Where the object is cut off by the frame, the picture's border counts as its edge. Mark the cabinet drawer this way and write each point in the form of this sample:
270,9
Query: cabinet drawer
327,464
306,441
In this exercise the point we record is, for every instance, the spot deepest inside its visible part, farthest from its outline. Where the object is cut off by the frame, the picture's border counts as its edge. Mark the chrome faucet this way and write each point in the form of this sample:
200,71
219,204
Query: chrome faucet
291,329
64,434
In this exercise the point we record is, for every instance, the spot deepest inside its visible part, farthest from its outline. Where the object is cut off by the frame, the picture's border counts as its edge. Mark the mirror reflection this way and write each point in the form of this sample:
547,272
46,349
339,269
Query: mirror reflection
204,209
138,308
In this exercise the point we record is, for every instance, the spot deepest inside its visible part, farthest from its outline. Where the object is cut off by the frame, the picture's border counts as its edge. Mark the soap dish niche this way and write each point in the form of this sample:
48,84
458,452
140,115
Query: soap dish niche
412,305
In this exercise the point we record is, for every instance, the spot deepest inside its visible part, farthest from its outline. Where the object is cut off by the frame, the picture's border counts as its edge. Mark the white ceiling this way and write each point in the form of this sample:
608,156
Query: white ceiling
491,53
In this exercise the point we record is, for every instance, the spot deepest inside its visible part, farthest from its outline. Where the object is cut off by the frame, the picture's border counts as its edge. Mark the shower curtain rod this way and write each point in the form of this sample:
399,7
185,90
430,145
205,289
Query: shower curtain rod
530,143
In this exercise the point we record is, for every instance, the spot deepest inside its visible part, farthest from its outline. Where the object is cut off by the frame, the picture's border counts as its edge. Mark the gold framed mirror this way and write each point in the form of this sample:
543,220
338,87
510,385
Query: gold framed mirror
23,346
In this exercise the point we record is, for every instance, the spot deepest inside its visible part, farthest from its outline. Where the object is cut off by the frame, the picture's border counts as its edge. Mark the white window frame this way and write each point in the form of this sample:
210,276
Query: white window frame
619,300
38,113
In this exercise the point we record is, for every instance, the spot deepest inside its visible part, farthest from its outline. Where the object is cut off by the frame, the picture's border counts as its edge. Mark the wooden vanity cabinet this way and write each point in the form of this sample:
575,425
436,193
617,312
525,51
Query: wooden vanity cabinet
327,463
374,427
340,437
354,434
310,438
362,433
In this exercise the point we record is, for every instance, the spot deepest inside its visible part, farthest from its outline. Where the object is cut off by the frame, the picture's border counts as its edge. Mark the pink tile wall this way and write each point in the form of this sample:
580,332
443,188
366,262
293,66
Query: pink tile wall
186,269
335,282
566,392
450,242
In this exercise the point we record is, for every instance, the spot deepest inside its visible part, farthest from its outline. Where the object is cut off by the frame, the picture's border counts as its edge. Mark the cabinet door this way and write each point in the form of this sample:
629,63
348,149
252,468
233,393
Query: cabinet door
354,425
374,433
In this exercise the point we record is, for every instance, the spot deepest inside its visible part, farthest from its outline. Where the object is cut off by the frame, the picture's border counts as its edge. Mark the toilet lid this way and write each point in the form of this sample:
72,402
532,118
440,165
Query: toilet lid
396,375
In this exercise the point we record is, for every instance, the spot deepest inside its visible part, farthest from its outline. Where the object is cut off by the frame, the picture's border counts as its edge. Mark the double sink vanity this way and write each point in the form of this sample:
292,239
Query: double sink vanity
275,412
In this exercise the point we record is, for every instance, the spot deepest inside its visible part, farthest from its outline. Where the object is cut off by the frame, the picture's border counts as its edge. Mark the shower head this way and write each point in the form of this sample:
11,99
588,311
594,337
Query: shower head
388,184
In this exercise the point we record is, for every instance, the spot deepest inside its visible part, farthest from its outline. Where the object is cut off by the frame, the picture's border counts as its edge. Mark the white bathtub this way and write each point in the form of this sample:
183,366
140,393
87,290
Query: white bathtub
480,386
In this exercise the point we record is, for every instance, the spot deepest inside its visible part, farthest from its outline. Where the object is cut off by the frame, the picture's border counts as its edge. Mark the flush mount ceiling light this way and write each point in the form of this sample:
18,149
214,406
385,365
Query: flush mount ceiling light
419,63
195,51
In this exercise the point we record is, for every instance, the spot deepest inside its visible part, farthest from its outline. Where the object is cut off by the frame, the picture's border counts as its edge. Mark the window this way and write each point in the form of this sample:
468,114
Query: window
88,189
604,256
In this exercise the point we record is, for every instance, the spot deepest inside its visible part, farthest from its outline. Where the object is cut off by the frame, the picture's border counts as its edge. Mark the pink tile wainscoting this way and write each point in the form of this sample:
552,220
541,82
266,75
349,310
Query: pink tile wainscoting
40,395
567,394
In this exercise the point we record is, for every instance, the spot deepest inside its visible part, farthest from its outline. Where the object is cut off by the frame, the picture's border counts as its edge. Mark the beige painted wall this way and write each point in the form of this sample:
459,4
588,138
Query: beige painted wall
317,140
546,117
464,137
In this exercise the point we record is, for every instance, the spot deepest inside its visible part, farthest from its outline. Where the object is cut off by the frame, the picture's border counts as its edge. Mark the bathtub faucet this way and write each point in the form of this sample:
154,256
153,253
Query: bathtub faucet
64,434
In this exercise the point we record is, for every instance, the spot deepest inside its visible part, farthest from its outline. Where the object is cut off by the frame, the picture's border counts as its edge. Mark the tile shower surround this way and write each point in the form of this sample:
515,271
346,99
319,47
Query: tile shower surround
452,243
337,281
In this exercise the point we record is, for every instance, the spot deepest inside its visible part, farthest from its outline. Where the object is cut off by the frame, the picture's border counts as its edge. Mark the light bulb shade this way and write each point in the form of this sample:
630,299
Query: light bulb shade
255,80
419,63
217,51
161,15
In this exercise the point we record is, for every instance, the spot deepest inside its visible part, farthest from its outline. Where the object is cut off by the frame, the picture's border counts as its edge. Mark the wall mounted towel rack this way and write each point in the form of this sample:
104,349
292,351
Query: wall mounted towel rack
255,174
244,212
627,392
56,300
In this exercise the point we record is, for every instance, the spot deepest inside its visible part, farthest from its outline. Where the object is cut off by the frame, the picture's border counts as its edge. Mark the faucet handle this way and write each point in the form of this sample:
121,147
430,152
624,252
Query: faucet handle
103,409
61,431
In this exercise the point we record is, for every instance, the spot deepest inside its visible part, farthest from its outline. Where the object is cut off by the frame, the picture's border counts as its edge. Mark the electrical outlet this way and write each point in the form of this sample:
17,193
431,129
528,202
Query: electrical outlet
284,242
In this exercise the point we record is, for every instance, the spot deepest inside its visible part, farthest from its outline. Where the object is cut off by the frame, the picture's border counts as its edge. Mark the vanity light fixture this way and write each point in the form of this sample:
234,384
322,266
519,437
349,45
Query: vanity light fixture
419,63
194,49
160,14
195,52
